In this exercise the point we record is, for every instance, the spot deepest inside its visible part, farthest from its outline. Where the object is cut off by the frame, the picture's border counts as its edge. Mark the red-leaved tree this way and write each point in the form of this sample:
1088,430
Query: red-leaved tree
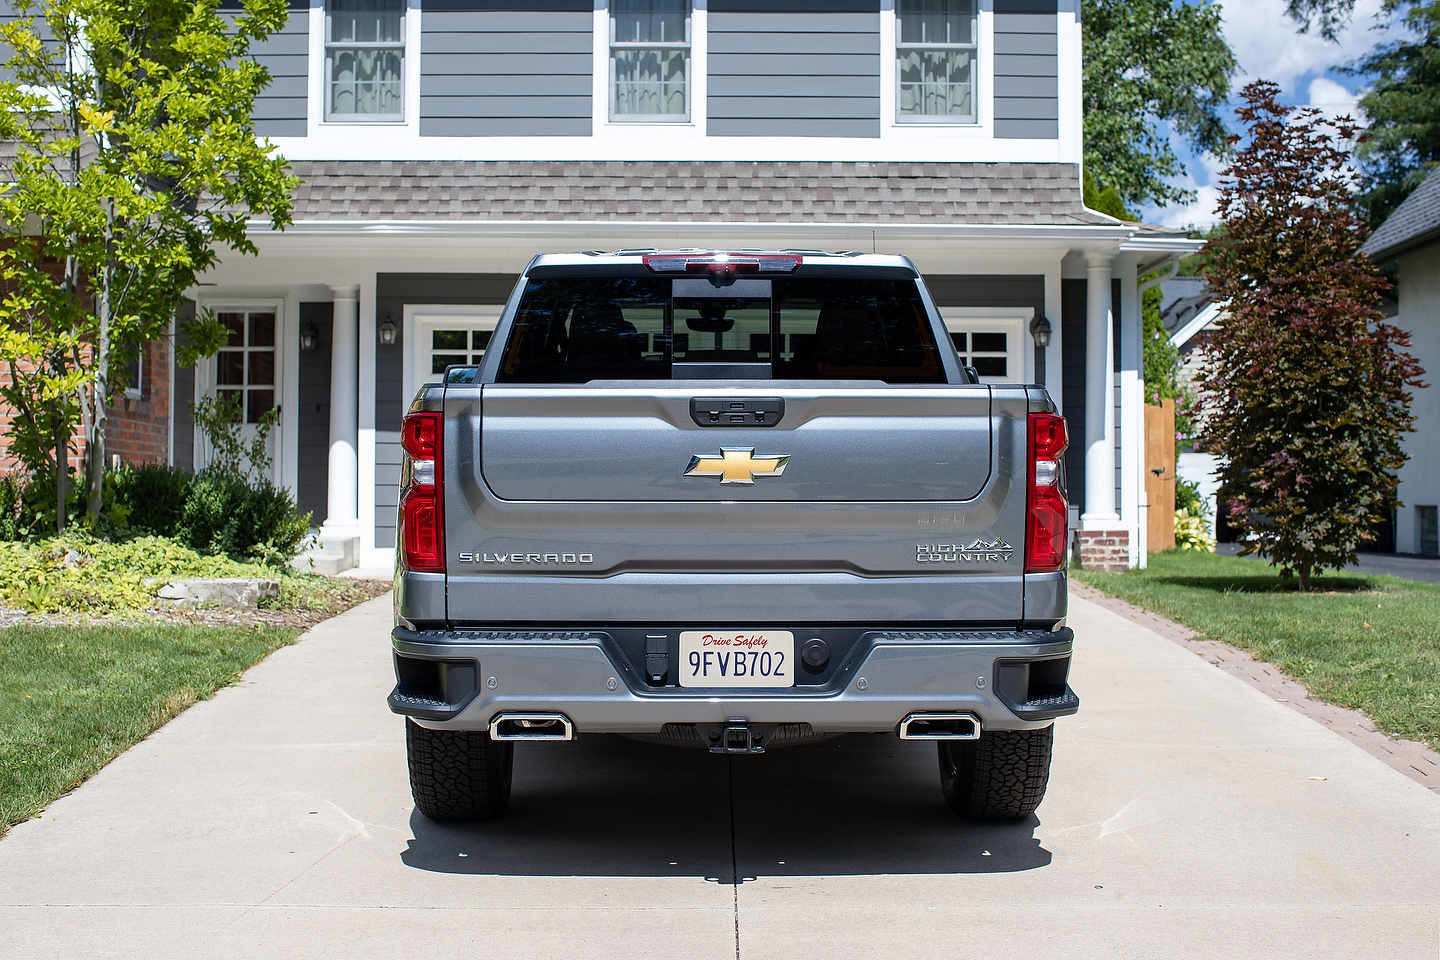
1305,387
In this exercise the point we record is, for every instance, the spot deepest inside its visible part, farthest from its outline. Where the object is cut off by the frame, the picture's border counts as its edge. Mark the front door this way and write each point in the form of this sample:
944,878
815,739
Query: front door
445,336
246,371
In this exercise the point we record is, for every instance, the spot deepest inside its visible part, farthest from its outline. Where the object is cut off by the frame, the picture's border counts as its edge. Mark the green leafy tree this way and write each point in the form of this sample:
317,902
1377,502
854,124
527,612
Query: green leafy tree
1152,67
135,166
1306,385
1403,107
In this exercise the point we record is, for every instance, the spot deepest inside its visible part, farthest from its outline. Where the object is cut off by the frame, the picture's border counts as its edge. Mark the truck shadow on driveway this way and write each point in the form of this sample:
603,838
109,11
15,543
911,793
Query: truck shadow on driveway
608,806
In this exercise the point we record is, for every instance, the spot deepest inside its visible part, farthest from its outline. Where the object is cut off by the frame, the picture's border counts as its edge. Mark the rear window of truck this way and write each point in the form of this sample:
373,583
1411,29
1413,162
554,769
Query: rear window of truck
573,329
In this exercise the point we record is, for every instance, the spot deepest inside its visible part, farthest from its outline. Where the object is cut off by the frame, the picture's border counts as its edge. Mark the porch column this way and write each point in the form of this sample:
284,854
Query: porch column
342,516
1099,397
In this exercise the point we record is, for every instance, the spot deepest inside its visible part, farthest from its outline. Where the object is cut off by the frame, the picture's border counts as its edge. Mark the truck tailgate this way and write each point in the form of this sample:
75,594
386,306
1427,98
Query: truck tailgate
895,505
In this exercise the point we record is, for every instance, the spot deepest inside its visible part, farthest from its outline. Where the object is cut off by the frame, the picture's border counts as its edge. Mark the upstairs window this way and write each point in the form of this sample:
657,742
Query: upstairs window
650,60
364,59
935,55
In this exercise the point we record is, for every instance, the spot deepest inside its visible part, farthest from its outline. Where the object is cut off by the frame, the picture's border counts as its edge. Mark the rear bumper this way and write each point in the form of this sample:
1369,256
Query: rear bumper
1009,680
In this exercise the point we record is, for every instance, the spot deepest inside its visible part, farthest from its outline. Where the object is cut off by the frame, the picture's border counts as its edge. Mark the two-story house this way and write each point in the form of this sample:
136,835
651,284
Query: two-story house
441,143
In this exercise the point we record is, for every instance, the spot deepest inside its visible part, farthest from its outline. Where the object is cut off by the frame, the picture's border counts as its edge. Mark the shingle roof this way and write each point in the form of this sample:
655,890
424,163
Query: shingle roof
1415,221
809,192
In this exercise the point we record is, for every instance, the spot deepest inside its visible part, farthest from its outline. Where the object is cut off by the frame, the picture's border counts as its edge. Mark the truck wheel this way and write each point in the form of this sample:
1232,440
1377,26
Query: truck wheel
1001,776
458,774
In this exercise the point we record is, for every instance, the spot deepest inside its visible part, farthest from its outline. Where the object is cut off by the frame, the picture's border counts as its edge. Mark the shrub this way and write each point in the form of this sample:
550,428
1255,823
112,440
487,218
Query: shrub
242,519
78,574
151,498
1192,532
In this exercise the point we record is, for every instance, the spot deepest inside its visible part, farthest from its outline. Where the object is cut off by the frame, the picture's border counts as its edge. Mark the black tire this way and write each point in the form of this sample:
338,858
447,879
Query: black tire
458,774
1001,776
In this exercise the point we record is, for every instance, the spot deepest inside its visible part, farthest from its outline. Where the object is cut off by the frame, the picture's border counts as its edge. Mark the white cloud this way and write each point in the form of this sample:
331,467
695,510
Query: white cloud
1268,45
1334,99
1199,213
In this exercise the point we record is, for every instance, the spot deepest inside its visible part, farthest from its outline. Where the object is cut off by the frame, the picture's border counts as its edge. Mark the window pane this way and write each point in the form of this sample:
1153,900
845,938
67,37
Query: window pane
262,329
234,323
366,21
989,342
855,329
262,368
959,337
480,339
448,340
366,82
723,330
439,361
650,82
230,368
259,403
649,21
235,397
989,366
936,21
576,329
936,83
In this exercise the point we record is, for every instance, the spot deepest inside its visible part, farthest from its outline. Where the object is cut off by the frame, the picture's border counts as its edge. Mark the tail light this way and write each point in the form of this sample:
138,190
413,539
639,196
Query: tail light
422,502
1047,515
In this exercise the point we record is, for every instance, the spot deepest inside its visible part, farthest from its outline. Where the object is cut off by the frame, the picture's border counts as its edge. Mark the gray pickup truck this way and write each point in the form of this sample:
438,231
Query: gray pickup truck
735,501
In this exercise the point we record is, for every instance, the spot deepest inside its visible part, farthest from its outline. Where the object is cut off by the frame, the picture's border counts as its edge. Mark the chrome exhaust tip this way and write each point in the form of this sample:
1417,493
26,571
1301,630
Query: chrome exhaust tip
940,726
531,726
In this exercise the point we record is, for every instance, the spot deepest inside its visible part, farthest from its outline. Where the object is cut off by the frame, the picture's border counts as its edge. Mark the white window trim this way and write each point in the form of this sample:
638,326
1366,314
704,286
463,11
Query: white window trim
407,124
421,317
943,120
325,64
1012,321
287,312
611,44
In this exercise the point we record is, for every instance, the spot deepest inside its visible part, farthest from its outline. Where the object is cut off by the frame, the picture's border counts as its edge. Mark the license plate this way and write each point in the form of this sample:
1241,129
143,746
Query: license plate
737,658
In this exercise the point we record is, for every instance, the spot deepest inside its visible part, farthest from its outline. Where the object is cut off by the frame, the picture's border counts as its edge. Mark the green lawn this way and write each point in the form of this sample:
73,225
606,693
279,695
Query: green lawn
72,698
1367,642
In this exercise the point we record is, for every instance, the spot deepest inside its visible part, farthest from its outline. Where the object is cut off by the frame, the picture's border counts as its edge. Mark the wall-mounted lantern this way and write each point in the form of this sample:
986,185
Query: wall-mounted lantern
1040,331
309,337
388,331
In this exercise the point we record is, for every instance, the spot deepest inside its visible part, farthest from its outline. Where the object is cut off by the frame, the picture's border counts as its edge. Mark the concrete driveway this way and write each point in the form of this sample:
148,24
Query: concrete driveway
1186,818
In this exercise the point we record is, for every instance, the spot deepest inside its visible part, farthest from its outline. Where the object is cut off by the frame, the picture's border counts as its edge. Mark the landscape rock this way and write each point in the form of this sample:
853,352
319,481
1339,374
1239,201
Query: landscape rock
219,591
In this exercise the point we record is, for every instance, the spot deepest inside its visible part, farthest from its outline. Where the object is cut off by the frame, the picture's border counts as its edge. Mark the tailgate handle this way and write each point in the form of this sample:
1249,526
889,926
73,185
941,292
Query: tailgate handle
737,411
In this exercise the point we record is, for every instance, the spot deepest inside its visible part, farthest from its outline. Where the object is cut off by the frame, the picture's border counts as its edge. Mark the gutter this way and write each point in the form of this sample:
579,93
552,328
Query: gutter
542,228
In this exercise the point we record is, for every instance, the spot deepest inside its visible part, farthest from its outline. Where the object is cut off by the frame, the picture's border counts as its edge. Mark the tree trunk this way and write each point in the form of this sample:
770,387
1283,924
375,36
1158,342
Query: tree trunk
95,443
1305,578
61,449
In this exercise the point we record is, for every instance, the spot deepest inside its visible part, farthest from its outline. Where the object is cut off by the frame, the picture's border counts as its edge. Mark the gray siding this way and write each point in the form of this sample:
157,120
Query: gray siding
392,292
806,68
313,418
500,68
1027,84
182,395
280,109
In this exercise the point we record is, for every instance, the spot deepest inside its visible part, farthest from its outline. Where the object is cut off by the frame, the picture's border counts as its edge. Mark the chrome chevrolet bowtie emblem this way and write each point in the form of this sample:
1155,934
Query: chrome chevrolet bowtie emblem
736,465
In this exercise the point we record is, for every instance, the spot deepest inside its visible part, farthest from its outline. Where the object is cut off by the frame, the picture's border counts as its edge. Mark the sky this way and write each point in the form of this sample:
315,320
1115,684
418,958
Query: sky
1269,46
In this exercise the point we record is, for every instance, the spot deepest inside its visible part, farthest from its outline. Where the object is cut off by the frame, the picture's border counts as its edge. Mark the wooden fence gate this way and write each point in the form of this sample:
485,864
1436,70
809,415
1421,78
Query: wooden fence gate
1160,476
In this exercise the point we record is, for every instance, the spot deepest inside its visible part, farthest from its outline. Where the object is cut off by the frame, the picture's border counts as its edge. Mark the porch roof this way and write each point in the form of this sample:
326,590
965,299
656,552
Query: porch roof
693,192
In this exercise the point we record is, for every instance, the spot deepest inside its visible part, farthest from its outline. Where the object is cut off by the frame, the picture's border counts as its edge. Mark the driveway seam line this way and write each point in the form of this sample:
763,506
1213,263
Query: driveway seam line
734,860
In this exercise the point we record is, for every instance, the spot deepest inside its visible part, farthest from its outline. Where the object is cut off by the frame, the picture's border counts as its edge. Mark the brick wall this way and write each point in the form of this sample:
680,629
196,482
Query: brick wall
1106,550
138,428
